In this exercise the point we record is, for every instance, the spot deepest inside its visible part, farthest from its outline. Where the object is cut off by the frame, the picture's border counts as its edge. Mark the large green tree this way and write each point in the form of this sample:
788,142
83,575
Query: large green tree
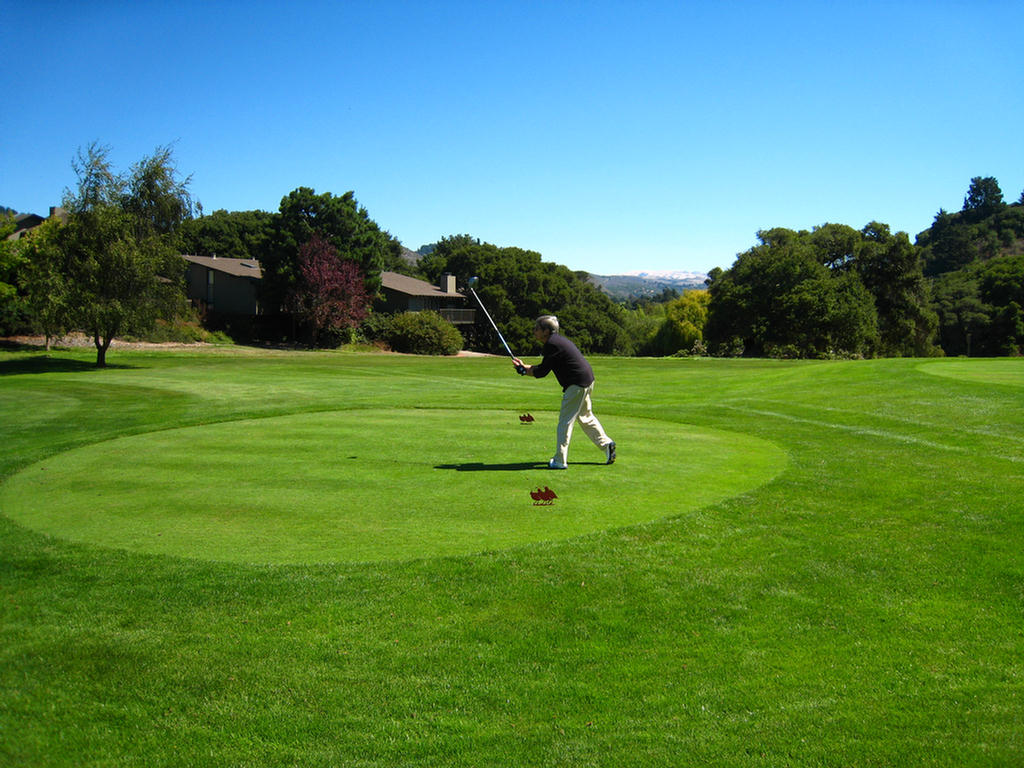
981,307
233,235
890,267
779,298
341,222
832,290
118,248
1002,287
964,319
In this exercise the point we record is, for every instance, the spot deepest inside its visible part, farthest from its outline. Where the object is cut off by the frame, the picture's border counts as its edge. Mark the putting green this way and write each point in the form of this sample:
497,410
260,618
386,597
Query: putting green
365,485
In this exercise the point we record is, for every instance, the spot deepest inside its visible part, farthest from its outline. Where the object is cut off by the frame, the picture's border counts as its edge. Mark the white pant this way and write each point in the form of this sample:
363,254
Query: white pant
576,406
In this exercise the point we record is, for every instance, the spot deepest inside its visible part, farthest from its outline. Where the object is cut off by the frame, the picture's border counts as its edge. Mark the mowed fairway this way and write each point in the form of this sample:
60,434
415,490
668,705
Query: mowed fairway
232,557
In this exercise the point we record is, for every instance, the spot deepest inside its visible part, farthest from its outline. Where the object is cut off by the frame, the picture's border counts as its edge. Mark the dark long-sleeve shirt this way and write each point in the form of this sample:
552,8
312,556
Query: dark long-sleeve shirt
567,362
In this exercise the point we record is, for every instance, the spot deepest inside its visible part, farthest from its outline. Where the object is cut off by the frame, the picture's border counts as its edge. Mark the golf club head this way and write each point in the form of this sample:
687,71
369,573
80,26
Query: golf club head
472,282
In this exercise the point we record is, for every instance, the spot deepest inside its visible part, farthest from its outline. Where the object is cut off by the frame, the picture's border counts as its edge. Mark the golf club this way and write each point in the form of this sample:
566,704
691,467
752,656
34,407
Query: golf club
472,282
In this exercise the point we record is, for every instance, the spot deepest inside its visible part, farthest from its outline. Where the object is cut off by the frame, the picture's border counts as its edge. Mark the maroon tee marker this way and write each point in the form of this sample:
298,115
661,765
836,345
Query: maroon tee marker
543,498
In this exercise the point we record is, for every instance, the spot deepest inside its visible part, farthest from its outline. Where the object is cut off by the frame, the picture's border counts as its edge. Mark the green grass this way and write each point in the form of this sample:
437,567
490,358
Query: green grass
370,484
792,563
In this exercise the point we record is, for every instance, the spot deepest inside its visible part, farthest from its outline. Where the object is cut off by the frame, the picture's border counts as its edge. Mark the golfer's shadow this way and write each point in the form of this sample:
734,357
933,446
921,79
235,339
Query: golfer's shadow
479,466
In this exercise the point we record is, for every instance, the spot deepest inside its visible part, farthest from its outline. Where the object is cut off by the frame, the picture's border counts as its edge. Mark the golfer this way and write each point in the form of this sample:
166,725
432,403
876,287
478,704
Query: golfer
577,379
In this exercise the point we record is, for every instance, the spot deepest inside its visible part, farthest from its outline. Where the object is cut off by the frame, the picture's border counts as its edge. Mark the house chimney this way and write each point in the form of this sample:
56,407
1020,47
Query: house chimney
447,283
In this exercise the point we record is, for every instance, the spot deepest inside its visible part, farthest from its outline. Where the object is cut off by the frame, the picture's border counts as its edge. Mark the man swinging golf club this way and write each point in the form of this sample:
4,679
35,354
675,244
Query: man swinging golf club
577,379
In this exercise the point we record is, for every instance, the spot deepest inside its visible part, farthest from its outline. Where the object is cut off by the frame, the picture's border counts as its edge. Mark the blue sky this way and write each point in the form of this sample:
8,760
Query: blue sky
609,136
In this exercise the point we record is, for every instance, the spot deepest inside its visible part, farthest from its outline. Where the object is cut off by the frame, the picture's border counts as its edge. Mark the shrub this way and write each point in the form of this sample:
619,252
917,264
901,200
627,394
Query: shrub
180,331
423,333
374,329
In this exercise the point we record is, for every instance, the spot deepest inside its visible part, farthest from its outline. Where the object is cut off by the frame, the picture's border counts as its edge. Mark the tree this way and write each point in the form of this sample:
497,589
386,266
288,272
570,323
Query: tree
155,199
13,308
835,245
44,280
341,221
1001,284
117,249
948,244
516,286
639,327
683,326
984,197
234,235
964,319
780,299
891,269
331,292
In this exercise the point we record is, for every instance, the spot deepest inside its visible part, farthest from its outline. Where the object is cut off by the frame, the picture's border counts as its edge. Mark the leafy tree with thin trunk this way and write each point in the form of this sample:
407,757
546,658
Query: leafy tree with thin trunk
118,249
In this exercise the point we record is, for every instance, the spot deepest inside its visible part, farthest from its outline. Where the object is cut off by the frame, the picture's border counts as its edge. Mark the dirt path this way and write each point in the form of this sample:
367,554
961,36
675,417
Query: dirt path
81,340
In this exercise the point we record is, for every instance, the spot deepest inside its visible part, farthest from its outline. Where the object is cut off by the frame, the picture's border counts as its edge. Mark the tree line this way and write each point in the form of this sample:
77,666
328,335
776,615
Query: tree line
113,268
975,262
837,291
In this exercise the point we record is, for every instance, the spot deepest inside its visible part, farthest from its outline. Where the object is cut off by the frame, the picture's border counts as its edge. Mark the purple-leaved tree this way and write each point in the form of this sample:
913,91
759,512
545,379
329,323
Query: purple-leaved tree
331,292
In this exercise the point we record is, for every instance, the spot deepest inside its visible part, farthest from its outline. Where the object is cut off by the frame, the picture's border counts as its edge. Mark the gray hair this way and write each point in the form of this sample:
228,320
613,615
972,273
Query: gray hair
547,323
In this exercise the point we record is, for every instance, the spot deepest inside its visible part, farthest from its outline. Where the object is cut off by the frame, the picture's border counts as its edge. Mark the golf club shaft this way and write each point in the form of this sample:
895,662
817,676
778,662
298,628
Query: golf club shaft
493,324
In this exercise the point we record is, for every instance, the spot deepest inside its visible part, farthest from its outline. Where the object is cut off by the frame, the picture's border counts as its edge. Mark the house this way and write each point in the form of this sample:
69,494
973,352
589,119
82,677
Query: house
407,294
24,223
231,287
224,286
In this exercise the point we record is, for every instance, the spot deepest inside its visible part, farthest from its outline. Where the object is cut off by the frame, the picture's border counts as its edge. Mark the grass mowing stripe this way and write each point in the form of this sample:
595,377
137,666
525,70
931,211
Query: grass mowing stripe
996,431
1005,371
867,431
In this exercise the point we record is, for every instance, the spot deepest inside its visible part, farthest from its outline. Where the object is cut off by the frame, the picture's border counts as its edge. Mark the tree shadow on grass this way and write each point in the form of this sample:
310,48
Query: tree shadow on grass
45,364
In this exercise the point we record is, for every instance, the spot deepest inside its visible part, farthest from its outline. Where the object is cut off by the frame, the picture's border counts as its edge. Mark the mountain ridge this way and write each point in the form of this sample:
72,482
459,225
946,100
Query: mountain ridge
640,283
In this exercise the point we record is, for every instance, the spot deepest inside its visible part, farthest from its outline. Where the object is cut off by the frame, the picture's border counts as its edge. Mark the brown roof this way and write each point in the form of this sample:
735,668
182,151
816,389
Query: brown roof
236,267
410,286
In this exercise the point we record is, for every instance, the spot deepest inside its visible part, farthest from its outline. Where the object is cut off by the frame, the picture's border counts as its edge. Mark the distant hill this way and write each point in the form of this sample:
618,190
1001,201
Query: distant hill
637,285
624,287
958,240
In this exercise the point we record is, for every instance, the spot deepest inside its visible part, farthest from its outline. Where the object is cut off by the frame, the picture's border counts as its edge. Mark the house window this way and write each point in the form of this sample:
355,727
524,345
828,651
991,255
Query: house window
209,286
